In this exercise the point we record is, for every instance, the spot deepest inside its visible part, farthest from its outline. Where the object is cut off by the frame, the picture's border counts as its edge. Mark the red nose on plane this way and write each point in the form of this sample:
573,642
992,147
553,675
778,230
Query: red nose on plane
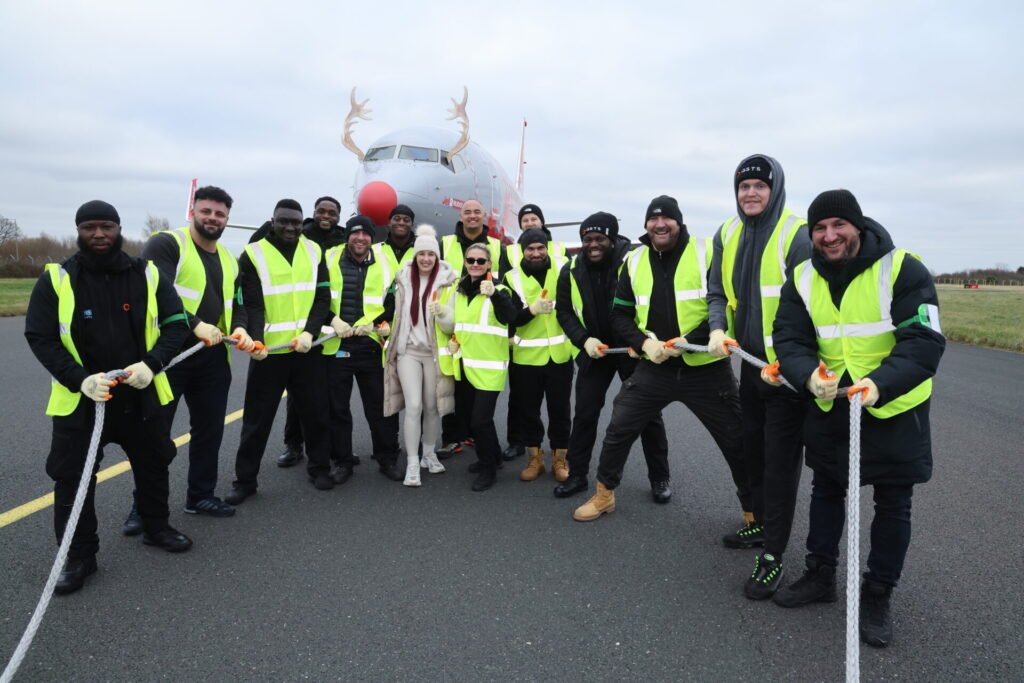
376,200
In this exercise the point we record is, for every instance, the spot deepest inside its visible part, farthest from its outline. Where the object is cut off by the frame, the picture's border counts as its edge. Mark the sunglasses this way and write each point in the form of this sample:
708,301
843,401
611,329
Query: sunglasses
476,261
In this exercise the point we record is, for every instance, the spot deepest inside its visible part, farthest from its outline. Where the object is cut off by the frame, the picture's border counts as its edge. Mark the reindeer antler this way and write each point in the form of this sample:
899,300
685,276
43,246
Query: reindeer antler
458,111
358,111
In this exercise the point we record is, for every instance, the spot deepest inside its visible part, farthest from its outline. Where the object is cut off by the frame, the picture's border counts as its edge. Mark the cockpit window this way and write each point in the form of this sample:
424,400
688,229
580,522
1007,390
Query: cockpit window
378,153
418,153
455,165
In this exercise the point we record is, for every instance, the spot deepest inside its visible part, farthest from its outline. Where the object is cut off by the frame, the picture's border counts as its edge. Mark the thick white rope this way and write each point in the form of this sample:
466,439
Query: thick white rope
853,546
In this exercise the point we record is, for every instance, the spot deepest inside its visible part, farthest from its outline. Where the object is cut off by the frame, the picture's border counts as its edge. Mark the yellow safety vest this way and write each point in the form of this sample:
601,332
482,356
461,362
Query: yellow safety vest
542,339
394,264
483,354
859,335
63,401
514,252
452,249
375,287
773,269
288,288
691,289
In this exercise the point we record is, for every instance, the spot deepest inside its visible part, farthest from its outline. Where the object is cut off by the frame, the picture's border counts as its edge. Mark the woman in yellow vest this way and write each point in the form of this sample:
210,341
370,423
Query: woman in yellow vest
472,336
867,313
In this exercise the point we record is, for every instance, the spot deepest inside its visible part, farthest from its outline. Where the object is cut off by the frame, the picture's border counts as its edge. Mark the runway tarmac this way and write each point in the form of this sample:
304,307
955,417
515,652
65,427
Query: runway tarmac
376,581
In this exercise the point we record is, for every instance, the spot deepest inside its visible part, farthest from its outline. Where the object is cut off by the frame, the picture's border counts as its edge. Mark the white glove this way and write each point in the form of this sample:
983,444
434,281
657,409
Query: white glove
453,346
259,353
487,288
823,388
717,344
443,314
209,334
362,330
868,389
770,375
670,350
139,375
591,347
97,387
245,342
303,343
341,328
384,330
655,351
435,307
542,306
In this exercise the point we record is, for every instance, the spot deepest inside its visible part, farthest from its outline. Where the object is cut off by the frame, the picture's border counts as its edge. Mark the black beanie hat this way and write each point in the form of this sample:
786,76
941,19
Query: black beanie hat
532,236
601,222
664,206
360,223
402,210
835,204
531,208
96,210
754,168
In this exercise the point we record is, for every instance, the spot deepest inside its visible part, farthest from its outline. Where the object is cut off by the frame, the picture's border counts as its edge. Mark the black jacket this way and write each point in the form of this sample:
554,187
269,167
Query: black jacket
503,264
896,450
310,231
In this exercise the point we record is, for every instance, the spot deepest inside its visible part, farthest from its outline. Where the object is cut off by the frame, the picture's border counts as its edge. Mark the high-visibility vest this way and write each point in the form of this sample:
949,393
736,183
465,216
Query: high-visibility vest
63,401
514,252
576,296
542,339
859,335
394,263
452,249
773,269
288,288
483,341
375,288
690,285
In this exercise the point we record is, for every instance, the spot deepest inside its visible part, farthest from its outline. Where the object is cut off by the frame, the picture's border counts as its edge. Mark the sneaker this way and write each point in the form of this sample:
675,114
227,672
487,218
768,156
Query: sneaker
237,495
818,584
471,442
412,474
132,523
765,579
212,506
292,455
661,492
484,480
513,451
749,536
431,464
875,619
449,449
341,473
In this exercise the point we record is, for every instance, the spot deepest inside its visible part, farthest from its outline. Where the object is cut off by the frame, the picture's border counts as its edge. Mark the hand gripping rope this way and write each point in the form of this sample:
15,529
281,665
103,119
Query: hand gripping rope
76,509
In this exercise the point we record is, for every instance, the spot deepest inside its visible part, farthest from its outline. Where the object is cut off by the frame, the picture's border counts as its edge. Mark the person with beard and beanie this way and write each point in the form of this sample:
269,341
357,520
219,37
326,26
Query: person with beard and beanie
471,229
205,276
754,253
586,293
541,357
323,229
361,307
472,336
286,293
659,300
397,246
103,310
863,313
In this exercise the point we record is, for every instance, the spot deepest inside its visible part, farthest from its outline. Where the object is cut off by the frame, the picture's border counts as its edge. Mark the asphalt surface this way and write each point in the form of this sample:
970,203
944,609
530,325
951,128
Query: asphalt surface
376,581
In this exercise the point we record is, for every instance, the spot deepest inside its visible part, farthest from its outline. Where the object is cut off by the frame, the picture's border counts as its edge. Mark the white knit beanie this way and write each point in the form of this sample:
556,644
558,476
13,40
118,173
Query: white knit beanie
426,240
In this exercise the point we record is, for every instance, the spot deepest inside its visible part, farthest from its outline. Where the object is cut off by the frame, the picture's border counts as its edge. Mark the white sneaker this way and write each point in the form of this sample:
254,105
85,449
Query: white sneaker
431,463
412,474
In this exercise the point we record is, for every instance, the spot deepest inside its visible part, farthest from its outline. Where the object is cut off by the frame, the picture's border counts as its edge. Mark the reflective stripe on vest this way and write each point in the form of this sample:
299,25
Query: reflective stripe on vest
542,339
394,264
859,335
288,288
452,249
375,286
483,343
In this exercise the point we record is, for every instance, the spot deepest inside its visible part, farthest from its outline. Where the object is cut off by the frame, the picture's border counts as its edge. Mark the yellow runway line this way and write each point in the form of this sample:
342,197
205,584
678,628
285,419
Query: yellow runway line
43,502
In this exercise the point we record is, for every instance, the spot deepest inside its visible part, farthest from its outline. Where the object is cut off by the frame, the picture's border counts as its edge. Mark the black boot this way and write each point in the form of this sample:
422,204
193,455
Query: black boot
571,486
485,479
513,451
72,577
132,523
292,455
766,578
392,472
875,620
818,584
661,492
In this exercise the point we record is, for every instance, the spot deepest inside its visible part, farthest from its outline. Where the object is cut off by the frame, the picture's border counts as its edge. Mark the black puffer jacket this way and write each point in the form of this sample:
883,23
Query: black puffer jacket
896,450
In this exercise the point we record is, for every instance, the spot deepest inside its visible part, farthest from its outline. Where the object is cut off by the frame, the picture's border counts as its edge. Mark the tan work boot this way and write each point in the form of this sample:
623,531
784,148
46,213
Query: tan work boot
559,464
602,502
535,465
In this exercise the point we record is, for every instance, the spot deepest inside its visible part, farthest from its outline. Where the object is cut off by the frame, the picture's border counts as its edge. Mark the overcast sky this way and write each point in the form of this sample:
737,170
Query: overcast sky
915,107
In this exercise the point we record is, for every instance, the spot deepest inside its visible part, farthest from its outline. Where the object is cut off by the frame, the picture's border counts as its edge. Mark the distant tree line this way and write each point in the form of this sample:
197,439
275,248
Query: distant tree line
25,256
999,275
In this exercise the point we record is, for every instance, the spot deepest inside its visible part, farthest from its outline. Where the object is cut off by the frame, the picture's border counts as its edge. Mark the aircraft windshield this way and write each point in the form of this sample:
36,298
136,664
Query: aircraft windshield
418,153
378,153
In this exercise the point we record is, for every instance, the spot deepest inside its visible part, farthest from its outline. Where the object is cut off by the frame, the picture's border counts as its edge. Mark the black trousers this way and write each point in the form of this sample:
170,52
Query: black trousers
474,409
513,424
204,380
591,391
709,391
292,426
362,367
534,384
890,527
304,376
146,442
773,421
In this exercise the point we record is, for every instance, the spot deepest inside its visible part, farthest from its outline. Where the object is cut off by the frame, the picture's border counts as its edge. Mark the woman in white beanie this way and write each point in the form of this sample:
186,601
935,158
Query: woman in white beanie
411,376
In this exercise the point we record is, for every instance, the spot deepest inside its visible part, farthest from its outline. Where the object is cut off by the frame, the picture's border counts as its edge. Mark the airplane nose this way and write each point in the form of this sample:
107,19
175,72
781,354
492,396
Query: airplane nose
376,200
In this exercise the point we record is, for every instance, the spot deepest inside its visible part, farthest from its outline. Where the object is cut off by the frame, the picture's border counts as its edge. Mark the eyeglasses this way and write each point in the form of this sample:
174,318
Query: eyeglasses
476,261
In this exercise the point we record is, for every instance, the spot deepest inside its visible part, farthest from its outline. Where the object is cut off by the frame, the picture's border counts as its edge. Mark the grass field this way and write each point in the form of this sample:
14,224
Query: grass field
990,316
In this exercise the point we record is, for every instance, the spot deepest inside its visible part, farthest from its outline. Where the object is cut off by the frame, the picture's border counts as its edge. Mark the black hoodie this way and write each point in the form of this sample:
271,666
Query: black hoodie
597,285
464,242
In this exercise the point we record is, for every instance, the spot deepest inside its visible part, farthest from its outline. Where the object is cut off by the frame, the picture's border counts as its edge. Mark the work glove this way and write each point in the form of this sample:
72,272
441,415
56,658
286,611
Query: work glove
259,351
718,344
593,347
655,351
443,314
384,330
139,375
770,375
670,347
487,287
453,345
435,307
245,342
542,306
303,343
868,391
341,328
209,334
362,330
97,387
823,384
